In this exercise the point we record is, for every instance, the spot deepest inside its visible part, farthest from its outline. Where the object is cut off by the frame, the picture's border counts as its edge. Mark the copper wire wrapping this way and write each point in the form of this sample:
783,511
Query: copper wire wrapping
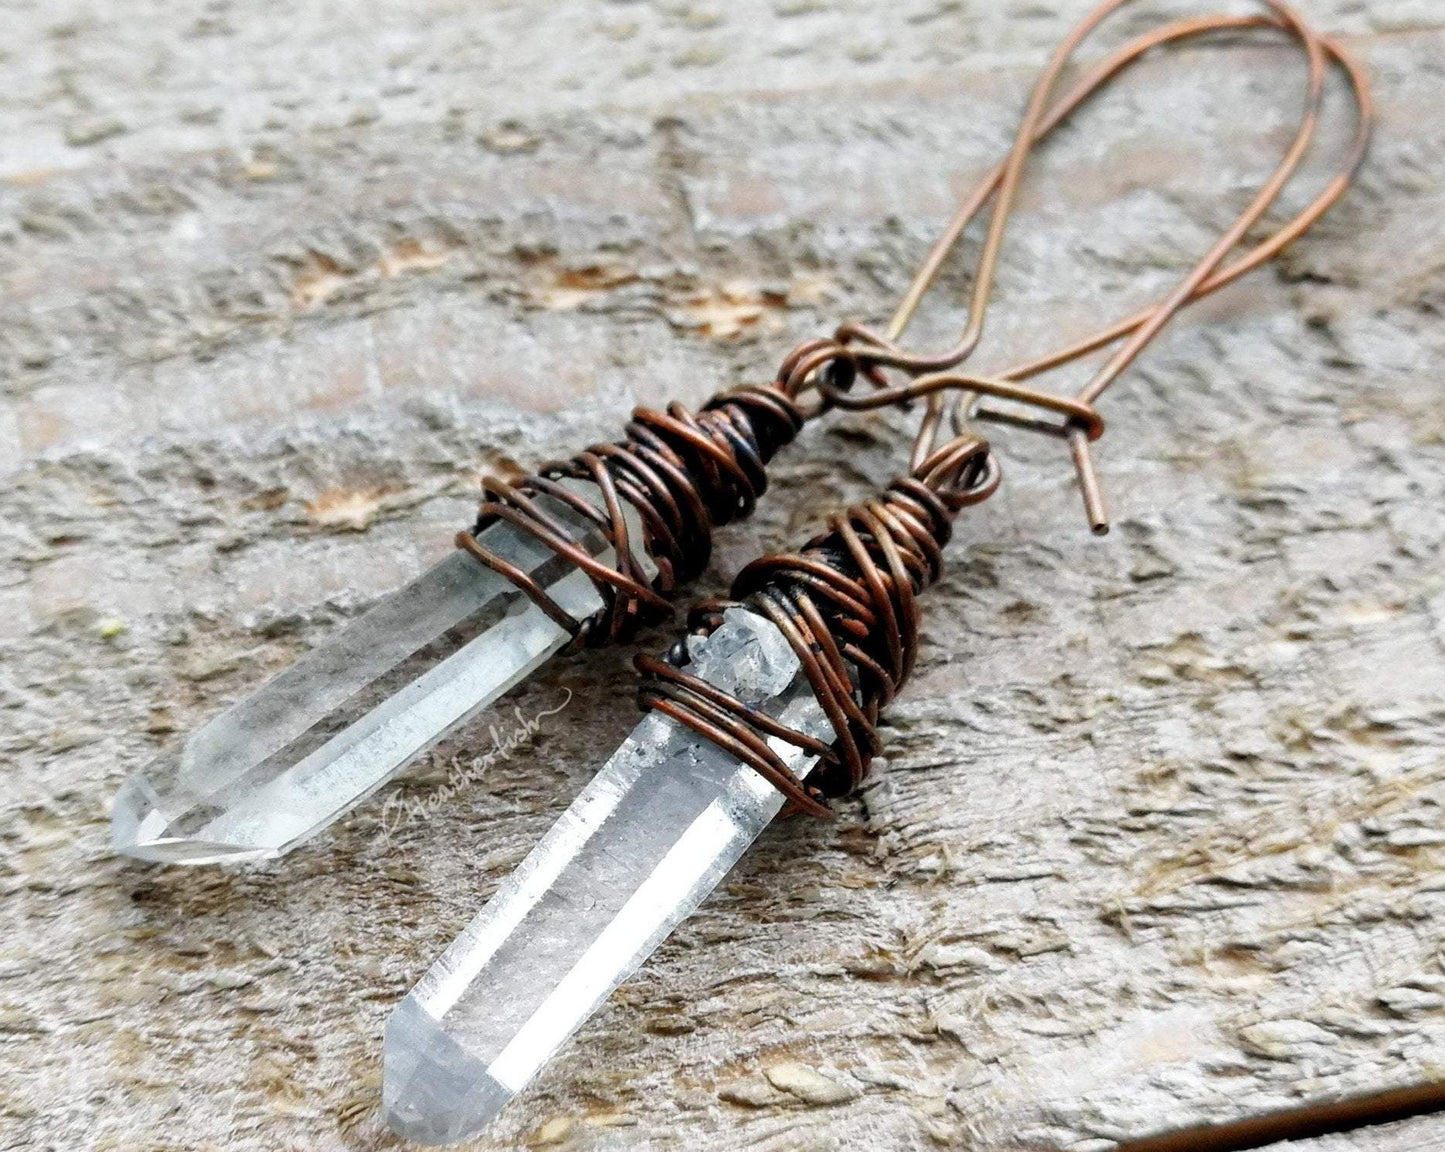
847,603
685,474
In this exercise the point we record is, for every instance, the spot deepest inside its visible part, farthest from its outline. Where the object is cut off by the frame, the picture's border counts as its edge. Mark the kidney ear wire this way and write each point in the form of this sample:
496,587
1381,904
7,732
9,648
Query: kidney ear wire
955,398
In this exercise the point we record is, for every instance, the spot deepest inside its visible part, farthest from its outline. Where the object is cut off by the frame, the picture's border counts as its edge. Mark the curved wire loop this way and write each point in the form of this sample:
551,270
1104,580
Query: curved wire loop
847,603
855,351
684,474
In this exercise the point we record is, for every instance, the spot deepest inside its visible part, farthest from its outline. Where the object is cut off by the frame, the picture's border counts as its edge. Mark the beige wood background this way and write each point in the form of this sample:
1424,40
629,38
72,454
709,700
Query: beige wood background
1159,835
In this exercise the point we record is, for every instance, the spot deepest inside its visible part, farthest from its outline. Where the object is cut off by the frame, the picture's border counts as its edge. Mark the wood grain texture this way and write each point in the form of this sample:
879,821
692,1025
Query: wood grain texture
1159,834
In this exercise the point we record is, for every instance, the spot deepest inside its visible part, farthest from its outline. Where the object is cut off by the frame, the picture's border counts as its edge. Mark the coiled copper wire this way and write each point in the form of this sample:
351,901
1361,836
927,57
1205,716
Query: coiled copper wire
847,603
685,474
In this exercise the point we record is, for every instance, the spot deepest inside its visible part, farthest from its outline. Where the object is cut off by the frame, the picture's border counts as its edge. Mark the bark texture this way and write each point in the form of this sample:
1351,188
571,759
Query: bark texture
1160,835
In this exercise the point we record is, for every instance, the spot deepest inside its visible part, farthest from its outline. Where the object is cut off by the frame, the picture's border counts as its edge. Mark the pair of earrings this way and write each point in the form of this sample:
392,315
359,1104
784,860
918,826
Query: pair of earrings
773,697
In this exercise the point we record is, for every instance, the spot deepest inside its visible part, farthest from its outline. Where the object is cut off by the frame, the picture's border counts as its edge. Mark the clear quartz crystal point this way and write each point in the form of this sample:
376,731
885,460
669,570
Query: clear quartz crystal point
637,851
286,761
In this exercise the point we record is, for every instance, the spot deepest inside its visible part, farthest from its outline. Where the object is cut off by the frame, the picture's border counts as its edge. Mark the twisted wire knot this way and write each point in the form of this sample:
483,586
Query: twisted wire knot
831,364
847,605
684,474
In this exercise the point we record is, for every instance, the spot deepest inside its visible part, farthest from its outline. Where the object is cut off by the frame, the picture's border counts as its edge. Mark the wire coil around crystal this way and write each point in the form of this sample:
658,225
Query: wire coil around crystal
683,473
847,605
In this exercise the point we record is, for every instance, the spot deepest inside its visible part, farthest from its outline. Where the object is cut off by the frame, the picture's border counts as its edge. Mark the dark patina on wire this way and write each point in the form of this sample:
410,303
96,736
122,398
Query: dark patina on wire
684,473
847,603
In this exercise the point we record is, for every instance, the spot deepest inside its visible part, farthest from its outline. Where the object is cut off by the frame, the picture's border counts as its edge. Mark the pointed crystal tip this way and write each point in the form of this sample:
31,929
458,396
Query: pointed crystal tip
139,827
433,1091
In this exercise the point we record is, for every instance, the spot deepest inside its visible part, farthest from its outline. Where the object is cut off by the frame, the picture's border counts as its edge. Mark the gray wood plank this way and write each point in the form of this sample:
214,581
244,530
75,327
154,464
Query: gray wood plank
1158,836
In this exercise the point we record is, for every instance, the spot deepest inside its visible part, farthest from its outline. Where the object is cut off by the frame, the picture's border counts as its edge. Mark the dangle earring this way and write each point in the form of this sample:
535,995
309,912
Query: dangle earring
772,699
582,552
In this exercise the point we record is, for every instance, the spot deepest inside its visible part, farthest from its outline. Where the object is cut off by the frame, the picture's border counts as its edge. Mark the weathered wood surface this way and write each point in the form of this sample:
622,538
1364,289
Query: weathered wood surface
1159,836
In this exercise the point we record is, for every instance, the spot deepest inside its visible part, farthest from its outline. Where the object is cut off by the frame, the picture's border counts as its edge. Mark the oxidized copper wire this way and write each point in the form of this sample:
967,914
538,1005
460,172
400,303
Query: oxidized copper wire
685,474
847,603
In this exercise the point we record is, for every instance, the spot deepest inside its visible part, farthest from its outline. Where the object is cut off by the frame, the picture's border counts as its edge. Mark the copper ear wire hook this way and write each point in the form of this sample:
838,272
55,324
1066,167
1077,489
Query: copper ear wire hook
1038,121
1081,422
1184,291
1003,180
1153,320
929,271
1263,252
1206,278
1086,87
997,384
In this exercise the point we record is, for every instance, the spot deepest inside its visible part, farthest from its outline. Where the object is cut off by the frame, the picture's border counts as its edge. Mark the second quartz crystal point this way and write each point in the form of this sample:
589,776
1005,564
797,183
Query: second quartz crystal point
638,850
305,748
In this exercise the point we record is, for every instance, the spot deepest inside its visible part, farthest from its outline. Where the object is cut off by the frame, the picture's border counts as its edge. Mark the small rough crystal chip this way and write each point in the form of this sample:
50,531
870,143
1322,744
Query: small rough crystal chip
746,656
638,850
286,761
